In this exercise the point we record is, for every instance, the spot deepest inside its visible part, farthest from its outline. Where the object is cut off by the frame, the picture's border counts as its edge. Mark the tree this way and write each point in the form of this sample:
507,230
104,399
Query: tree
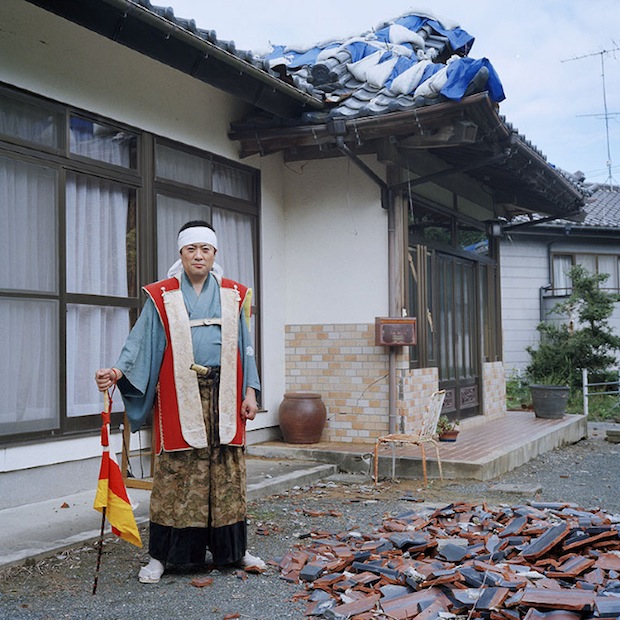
589,342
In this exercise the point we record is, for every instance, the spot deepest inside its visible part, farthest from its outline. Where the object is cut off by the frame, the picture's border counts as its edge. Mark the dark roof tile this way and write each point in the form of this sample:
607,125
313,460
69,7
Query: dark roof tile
602,209
426,57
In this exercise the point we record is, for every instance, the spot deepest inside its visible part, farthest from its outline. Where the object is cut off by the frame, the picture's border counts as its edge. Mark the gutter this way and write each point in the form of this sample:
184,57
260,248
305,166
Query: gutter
217,52
163,24
107,18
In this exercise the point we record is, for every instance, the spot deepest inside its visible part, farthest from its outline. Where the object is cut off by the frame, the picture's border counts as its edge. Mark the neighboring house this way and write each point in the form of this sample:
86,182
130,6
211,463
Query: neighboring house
536,257
346,183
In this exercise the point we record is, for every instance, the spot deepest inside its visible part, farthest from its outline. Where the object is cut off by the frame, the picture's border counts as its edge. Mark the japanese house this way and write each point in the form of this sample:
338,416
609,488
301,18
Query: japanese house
361,180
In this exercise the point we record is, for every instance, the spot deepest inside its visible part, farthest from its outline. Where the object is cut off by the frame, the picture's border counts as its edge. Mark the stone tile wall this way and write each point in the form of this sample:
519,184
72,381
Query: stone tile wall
493,390
342,363
417,385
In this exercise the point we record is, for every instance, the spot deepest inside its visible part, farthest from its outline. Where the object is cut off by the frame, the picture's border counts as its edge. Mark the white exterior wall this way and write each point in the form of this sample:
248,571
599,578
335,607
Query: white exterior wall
524,270
323,257
273,287
336,245
57,59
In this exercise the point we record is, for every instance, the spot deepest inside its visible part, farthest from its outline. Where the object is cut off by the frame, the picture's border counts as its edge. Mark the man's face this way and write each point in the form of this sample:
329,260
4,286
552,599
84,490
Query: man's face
198,259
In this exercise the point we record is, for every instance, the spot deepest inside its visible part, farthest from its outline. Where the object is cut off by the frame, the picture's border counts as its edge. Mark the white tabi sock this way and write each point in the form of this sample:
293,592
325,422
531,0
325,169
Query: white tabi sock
152,572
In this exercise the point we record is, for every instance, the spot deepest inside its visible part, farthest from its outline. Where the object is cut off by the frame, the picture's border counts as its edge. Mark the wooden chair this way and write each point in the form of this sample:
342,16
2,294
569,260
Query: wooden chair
420,437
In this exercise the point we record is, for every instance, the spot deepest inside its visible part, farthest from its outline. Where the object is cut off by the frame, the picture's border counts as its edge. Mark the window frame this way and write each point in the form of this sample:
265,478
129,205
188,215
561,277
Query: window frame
555,291
143,181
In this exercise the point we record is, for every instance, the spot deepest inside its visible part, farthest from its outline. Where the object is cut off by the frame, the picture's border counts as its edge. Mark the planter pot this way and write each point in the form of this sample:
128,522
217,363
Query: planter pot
448,435
613,435
302,417
549,400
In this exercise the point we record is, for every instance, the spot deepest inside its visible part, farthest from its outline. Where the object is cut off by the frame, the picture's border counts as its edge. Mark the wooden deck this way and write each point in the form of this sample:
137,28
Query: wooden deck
481,452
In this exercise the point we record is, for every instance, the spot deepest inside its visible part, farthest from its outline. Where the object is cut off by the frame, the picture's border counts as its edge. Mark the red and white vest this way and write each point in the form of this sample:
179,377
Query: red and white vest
178,422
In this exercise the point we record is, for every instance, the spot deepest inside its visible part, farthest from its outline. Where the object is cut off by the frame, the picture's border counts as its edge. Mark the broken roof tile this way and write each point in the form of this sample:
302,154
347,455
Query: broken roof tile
538,580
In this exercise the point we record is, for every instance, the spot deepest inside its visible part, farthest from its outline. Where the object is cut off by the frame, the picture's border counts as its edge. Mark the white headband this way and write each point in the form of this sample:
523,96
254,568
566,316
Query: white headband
196,234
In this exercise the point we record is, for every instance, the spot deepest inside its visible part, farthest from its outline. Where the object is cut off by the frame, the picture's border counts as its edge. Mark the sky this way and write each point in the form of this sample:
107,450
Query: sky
551,56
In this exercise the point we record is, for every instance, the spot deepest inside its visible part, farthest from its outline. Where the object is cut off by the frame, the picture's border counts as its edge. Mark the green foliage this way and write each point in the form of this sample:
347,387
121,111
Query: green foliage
518,395
603,408
565,350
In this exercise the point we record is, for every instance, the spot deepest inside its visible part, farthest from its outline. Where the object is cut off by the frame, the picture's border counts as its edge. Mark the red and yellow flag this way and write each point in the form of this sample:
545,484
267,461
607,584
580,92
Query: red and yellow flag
111,492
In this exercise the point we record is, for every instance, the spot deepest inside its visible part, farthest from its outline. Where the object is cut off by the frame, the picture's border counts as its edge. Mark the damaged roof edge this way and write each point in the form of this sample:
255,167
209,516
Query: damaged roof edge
554,174
567,197
108,17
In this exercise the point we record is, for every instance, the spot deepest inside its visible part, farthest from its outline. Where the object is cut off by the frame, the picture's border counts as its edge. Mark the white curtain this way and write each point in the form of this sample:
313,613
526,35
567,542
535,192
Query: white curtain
29,365
28,232
232,182
96,236
95,336
28,122
236,256
182,167
96,233
28,327
99,142
609,264
236,253
562,284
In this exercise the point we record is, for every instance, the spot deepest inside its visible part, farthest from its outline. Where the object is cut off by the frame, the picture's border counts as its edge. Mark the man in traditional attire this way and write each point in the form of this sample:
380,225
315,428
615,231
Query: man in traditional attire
189,360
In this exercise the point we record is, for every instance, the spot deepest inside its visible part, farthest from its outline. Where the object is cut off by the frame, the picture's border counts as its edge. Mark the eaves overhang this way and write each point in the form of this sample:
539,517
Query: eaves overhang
469,136
128,23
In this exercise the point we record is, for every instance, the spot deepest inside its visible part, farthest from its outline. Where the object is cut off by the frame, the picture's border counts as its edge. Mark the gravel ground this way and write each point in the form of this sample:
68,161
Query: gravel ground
60,587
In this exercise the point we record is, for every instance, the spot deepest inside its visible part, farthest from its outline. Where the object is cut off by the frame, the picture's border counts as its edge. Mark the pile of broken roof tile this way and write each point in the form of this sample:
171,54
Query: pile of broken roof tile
528,562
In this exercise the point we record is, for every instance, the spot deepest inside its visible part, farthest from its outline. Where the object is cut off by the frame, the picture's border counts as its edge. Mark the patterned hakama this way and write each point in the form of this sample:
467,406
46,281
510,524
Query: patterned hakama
198,502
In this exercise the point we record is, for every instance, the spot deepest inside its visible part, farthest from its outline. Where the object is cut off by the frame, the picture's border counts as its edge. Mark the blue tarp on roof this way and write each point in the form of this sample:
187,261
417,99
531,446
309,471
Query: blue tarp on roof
460,41
339,69
461,72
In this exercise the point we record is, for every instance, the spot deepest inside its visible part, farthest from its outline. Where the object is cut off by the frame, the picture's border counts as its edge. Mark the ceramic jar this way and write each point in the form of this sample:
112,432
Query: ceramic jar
302,417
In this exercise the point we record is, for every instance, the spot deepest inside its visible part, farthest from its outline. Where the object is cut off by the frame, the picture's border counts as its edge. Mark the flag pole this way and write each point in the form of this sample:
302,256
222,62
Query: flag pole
106,406
99,551
111,498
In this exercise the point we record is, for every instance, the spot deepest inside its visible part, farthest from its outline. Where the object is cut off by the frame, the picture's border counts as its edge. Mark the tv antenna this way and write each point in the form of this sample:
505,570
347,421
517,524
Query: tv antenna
606,114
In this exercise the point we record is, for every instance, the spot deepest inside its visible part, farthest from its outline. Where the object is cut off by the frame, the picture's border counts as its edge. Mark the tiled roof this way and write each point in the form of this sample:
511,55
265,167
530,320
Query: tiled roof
405,63
407,83
207,35
413,60
600,212
603,208
408,62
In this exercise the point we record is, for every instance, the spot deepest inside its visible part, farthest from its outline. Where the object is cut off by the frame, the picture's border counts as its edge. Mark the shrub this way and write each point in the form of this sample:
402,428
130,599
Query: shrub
518,394
588,342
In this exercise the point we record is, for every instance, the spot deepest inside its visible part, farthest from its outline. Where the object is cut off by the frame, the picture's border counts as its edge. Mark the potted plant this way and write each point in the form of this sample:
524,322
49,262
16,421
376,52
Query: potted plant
447,430
549,395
